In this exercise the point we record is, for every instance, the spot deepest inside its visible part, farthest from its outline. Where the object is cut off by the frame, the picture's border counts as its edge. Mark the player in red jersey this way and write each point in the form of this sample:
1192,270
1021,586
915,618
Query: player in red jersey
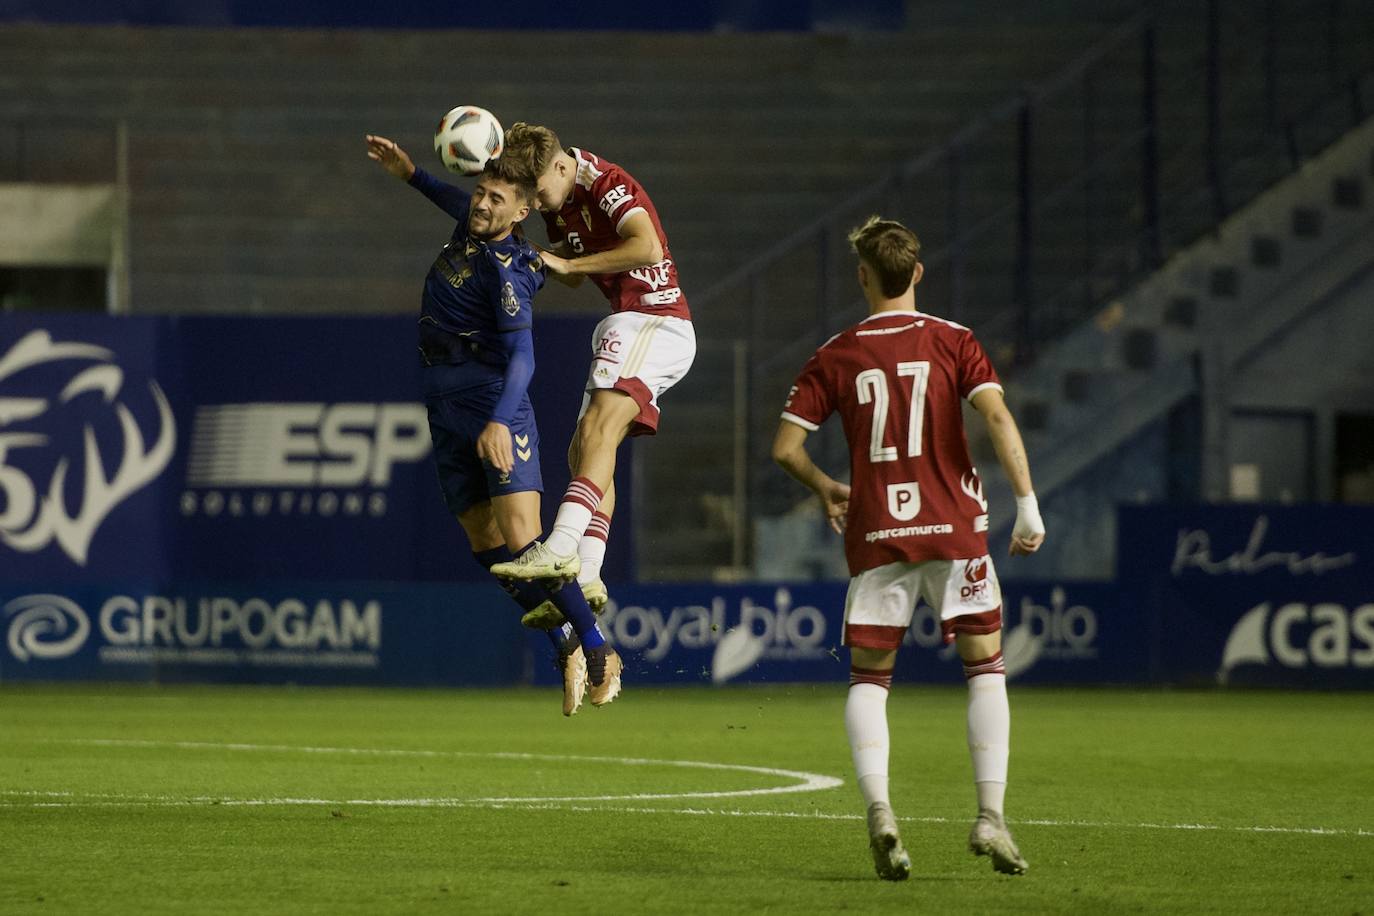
604,226
914,520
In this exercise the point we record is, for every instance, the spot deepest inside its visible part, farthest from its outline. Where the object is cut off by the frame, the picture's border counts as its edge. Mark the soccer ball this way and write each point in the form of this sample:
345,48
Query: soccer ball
467,137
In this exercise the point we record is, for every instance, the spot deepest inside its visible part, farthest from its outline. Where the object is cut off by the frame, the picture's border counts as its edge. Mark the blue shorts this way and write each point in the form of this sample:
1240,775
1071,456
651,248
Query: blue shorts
455,422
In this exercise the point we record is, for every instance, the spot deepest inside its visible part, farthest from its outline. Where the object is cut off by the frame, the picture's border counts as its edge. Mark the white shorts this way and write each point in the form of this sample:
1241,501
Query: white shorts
881,601
642,355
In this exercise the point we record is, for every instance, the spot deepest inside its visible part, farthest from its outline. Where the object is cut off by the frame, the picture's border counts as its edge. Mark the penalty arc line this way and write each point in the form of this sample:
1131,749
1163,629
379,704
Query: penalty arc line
809,782
806,782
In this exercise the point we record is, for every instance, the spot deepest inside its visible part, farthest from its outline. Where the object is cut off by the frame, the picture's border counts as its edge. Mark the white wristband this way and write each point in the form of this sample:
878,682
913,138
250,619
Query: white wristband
1028,521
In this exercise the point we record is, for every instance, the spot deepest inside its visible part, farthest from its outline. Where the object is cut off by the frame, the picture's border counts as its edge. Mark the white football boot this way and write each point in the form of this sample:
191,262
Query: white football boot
539,563
547,615
990,837
890,859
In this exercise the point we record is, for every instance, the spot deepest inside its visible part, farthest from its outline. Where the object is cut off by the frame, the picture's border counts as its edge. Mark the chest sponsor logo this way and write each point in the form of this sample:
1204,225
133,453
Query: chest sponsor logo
655,276
53,490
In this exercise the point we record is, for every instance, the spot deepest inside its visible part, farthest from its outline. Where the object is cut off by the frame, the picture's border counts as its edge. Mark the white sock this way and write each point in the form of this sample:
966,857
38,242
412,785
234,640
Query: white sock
865,722
574,514
592,548
989,738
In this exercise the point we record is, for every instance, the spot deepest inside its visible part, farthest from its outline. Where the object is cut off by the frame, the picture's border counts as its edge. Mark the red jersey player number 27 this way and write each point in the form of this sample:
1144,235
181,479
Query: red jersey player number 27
897,380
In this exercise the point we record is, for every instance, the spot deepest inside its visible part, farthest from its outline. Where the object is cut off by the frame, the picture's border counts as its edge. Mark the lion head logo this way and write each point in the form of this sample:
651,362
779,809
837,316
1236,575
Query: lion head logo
36,509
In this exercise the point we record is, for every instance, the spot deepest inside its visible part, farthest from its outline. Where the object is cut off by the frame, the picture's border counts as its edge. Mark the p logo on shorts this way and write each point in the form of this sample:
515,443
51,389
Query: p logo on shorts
903,500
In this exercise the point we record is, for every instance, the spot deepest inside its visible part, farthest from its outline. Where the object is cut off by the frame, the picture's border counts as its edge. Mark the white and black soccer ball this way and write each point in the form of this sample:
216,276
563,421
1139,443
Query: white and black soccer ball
467,137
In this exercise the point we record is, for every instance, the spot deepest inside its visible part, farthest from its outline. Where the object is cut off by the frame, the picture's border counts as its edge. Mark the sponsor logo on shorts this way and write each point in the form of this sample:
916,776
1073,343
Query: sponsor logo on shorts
975,588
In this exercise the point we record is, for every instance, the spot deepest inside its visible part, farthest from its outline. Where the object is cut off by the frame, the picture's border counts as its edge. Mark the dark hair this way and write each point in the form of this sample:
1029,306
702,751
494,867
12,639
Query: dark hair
503,169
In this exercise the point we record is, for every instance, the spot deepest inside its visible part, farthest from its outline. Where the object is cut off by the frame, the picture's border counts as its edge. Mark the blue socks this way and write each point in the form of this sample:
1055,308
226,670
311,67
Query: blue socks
570,600
529,595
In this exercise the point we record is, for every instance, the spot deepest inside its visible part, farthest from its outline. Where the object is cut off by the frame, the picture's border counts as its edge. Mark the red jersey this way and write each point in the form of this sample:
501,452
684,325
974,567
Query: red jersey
605,195
897,380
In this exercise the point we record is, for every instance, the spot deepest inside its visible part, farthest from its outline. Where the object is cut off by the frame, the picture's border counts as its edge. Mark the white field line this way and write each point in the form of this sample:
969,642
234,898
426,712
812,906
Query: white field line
37,799
808,782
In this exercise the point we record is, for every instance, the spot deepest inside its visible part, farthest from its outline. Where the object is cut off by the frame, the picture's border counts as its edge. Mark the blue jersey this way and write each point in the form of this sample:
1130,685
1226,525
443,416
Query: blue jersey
477,307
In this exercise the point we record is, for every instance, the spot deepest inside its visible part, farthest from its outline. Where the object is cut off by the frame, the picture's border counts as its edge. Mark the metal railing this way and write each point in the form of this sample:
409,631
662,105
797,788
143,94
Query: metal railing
1039,211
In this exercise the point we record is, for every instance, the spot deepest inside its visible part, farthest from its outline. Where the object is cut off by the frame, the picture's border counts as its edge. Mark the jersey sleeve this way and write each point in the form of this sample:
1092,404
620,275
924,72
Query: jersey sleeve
618,196
811,399
975,369
516,381
452,200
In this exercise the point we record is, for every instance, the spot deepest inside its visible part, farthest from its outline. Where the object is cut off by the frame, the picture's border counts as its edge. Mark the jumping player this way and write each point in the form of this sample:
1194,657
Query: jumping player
478,356
604,226
914,520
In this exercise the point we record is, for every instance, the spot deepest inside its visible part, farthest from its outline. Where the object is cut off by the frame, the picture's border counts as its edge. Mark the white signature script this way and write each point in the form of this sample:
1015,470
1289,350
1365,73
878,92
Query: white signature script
1194,550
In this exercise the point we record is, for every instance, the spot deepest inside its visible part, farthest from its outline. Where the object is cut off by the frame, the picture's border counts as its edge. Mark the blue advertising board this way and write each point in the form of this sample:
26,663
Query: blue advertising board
1269,595
244,449
713,634
339,633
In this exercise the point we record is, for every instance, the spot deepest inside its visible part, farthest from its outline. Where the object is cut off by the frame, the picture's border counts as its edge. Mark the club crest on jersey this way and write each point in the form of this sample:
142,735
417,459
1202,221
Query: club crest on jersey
903,500
509,302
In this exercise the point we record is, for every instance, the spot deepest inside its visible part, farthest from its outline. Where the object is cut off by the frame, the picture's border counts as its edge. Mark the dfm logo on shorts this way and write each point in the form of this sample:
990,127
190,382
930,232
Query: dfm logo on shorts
1300,636
318,459
52,489
975,587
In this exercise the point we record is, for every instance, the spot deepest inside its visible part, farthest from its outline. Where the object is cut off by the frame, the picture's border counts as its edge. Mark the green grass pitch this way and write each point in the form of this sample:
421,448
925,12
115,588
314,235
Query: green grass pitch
280,800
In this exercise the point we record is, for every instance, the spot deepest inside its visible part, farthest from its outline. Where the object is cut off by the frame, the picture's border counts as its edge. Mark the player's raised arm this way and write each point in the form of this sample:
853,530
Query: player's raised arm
789,451
639,247
1029,531
389,155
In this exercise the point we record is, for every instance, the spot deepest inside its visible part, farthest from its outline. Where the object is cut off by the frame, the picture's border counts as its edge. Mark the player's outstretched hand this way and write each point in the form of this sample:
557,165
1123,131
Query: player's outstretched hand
1028,533
835,498
494,447
391,157
556,265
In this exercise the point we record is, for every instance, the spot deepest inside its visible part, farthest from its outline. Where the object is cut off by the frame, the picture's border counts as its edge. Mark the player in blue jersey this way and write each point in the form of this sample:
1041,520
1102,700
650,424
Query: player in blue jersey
478,357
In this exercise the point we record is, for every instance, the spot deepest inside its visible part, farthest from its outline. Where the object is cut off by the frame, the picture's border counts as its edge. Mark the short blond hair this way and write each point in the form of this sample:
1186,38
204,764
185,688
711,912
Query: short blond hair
530,148
890,249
